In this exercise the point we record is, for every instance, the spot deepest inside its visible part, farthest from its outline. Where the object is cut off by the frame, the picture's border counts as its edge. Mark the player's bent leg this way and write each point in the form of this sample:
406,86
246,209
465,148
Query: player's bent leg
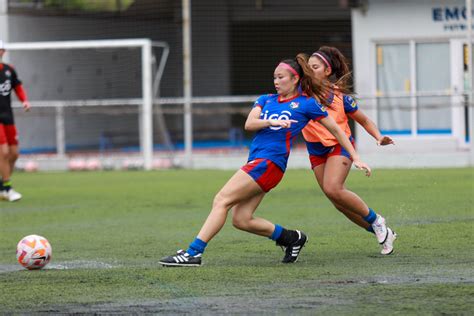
331,180
243,219
353,217
336,171
292,241
240,187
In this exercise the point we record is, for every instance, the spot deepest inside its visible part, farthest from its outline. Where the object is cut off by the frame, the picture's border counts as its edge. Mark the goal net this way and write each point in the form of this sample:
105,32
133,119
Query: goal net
92,97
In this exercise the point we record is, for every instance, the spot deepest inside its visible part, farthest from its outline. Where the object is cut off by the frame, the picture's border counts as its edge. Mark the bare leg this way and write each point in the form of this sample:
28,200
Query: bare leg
4,162
331,177
354,217
243,219
240,188
12,157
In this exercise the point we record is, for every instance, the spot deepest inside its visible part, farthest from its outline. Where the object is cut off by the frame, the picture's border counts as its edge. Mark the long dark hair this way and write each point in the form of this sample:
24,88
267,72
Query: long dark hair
309,85
341,76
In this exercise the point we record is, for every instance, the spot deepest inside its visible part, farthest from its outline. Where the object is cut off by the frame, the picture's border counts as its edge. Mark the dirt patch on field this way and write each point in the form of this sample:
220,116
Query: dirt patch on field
420,279
207,306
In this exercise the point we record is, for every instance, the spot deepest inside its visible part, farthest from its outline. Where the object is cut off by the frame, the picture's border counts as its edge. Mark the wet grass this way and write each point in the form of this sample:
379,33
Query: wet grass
109,229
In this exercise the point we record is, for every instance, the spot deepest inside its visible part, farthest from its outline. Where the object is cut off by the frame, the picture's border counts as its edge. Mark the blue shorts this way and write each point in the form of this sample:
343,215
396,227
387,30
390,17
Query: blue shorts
319,154
264,172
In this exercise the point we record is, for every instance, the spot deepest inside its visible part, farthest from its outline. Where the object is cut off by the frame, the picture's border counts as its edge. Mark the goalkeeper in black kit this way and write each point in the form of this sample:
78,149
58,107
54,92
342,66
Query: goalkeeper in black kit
8,134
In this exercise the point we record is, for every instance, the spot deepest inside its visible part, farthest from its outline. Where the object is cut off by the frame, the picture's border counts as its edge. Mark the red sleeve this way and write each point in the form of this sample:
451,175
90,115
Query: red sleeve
20,92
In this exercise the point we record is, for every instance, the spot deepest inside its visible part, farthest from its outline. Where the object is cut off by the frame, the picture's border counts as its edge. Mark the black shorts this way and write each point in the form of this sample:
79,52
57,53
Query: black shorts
6,117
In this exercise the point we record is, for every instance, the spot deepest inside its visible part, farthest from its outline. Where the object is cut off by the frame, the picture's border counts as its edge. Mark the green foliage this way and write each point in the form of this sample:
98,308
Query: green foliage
108,229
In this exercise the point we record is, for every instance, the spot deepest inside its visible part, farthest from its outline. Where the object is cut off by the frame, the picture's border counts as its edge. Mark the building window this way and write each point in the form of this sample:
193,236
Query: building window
393,81
433,76
413,81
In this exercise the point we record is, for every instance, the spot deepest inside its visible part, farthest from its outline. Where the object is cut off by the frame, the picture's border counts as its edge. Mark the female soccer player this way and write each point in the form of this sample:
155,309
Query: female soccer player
277,119
8,135
331,162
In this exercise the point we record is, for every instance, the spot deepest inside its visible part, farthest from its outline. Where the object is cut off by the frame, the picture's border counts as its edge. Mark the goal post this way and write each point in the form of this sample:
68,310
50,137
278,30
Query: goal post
147,90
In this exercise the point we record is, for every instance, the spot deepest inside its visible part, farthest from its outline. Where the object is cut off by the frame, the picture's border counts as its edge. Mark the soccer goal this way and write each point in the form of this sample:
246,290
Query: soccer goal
94,96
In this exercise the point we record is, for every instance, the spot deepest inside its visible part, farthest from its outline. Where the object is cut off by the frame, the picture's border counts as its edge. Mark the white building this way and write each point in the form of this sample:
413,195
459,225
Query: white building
415,51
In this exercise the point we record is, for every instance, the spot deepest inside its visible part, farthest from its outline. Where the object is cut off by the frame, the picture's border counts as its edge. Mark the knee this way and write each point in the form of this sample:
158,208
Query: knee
13,156
221,202
4,155
332,192
240,222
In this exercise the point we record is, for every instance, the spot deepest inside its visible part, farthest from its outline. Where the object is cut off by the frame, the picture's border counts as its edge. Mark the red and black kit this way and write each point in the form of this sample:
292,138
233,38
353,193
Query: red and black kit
9,81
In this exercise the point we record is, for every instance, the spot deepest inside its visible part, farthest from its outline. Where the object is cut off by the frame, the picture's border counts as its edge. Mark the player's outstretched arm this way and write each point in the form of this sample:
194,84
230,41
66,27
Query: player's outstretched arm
371,128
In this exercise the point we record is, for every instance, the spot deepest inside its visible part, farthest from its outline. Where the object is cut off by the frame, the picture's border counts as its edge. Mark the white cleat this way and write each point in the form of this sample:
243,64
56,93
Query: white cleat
380,229
387,246
11,195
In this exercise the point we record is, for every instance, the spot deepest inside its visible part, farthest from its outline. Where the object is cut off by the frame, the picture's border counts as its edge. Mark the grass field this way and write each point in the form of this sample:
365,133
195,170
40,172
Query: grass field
109,229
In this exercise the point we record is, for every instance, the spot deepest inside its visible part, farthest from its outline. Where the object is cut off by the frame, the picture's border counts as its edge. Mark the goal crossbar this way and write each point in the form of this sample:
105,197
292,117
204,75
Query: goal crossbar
150,84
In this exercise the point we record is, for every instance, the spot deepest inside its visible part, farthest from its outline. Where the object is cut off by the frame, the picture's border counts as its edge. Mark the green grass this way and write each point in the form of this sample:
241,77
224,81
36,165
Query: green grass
109,229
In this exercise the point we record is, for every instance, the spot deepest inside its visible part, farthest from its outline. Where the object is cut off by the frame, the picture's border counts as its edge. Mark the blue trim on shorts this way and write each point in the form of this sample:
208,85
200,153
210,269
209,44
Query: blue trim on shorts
318,149
259,170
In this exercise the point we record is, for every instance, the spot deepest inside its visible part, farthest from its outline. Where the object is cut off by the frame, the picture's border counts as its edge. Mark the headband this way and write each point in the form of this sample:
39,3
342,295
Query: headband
288,67
325,59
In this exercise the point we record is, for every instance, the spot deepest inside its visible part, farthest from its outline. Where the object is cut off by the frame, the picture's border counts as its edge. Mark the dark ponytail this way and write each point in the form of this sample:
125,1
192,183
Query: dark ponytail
310,85
341,74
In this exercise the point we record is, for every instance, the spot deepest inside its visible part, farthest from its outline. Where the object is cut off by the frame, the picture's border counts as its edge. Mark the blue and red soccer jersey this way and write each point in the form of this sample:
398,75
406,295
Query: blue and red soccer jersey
274,143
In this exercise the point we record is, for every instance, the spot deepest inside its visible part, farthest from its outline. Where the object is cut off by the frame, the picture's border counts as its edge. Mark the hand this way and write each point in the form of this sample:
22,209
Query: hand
26,106
363,166
385,140
282,123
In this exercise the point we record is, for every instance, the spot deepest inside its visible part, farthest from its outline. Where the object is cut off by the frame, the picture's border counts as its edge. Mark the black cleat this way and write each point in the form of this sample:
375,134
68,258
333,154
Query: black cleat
293,250
181,259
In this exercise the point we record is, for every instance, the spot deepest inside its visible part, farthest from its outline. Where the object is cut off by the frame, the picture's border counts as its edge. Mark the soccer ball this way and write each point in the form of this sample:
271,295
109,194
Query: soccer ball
33,252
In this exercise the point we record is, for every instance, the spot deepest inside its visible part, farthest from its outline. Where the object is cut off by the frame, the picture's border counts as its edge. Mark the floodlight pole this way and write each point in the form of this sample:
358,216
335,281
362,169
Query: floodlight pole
187,84
469,80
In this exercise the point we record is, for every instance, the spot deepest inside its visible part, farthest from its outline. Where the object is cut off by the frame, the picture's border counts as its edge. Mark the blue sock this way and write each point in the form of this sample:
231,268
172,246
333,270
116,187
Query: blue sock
196,247
370,229
371,217
277,232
